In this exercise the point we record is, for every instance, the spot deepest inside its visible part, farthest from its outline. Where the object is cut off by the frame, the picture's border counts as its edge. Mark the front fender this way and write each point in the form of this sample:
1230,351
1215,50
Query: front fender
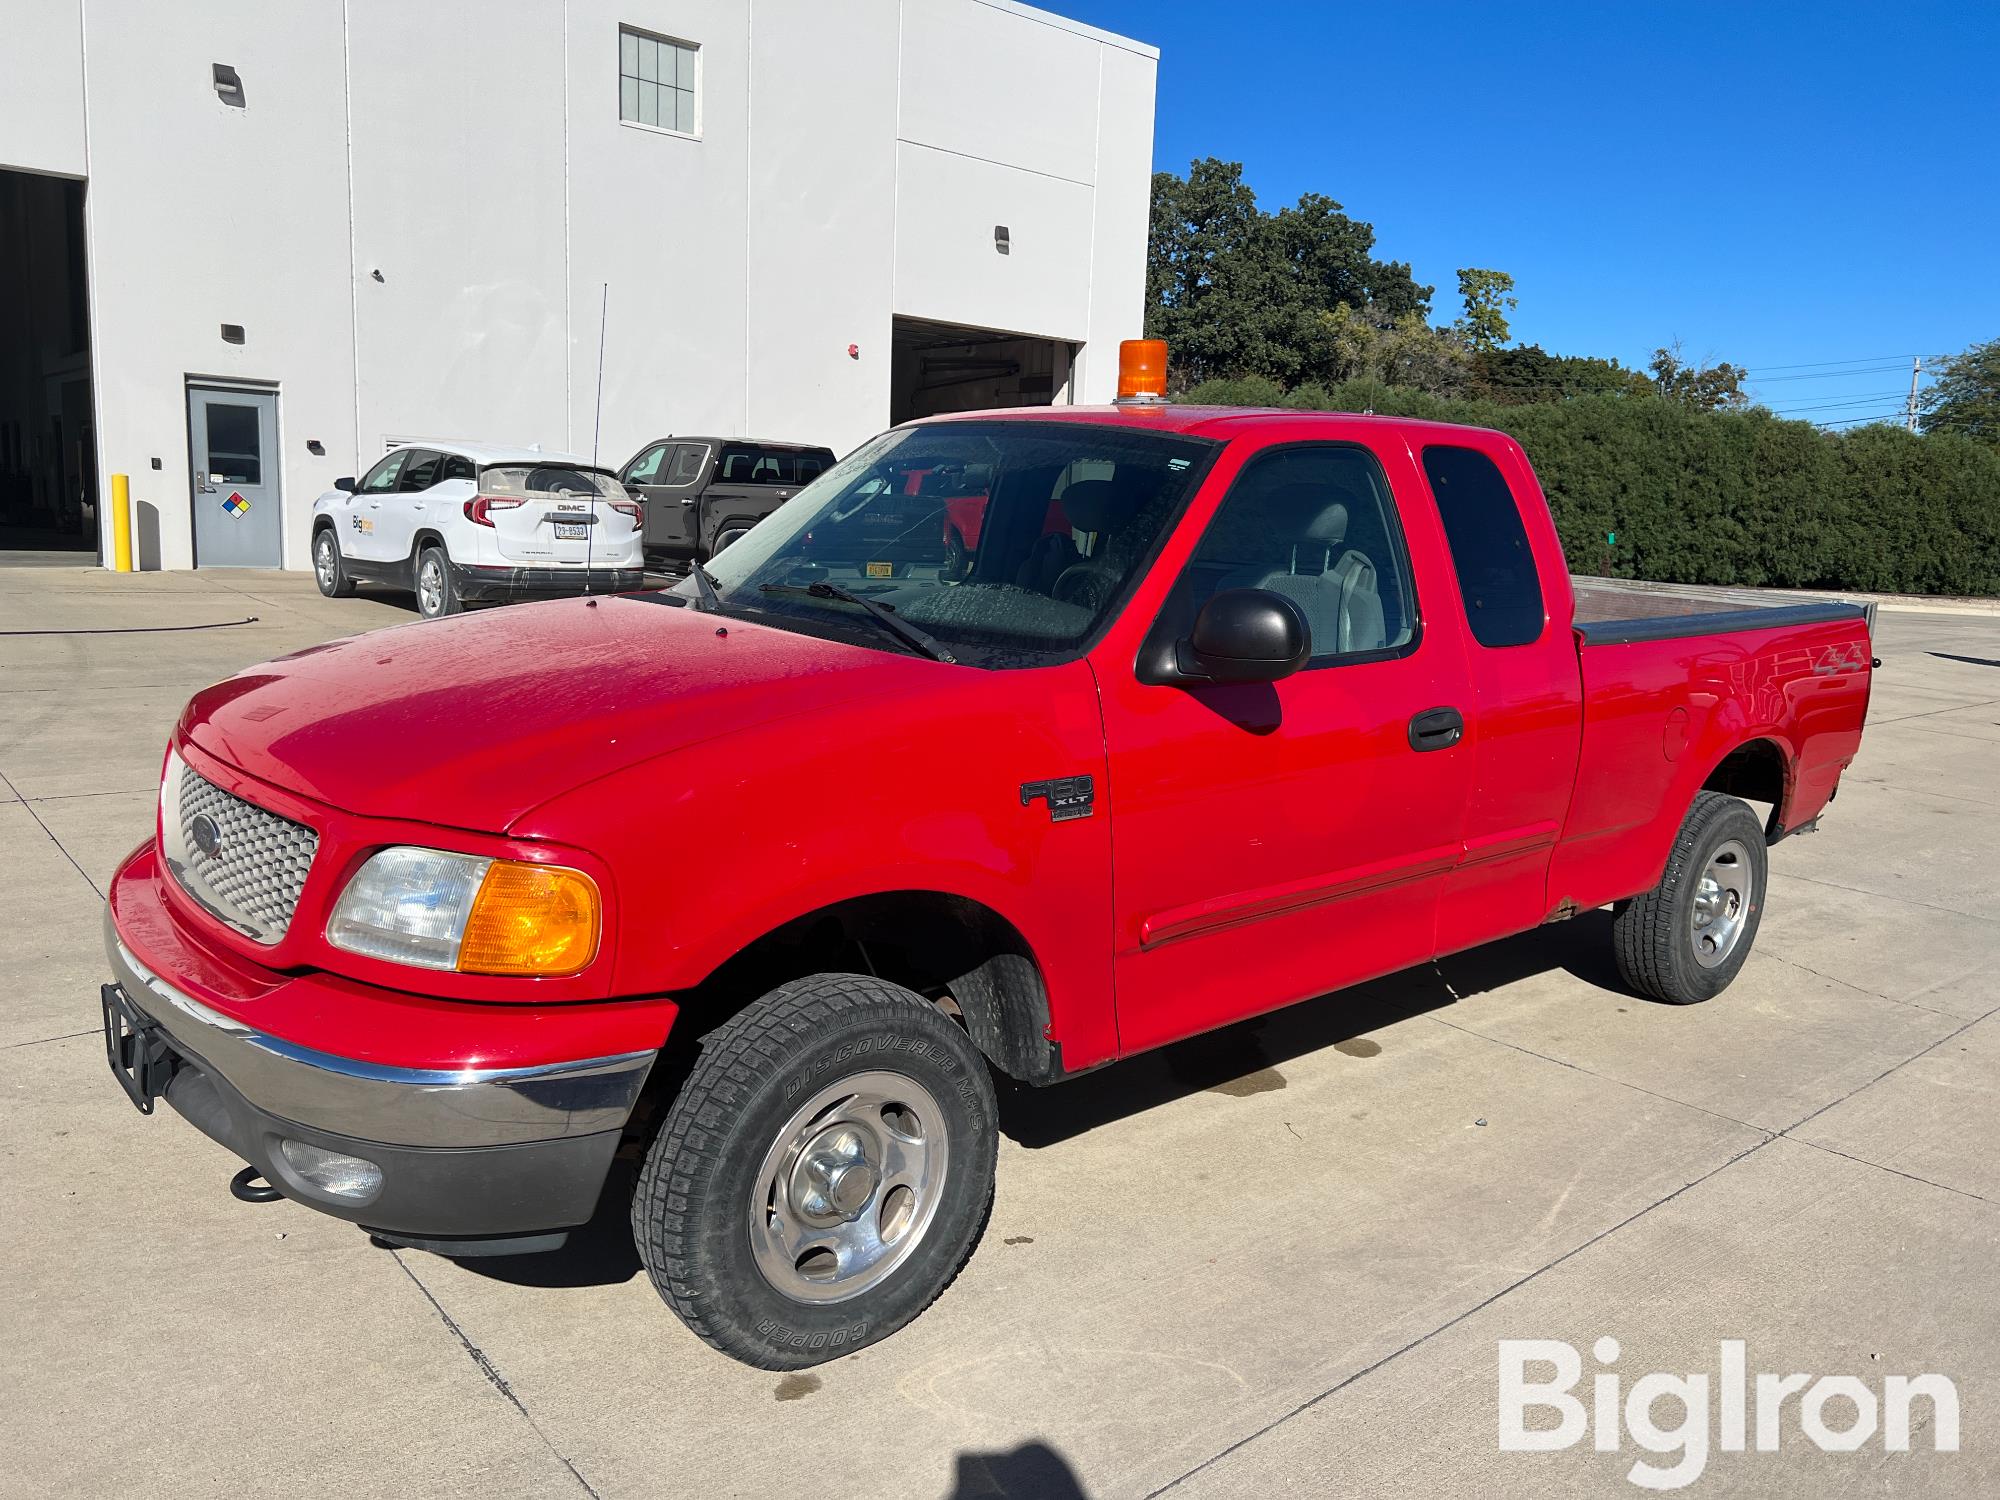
727,840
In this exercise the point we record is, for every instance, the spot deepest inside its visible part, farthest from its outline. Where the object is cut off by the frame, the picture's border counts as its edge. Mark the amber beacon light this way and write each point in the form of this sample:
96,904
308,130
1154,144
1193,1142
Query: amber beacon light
1142,372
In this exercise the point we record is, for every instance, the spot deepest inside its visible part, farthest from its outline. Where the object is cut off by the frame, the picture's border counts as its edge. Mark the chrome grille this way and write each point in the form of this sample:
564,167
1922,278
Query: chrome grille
244,864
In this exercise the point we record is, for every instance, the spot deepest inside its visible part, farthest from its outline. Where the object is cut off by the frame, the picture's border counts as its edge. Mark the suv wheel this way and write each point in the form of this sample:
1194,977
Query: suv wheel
1686,939
822,1175
327,568
435,595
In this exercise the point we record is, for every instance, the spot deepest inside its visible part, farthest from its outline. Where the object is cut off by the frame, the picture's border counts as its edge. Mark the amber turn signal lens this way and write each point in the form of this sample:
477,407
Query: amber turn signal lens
1142,370
531,919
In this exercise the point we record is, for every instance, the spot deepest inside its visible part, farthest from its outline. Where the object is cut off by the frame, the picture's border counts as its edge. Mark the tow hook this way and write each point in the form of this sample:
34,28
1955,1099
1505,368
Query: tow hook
249,1185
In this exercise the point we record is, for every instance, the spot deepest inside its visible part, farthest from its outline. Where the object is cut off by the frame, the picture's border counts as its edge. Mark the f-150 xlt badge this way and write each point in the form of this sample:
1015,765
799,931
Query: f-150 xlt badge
1067,796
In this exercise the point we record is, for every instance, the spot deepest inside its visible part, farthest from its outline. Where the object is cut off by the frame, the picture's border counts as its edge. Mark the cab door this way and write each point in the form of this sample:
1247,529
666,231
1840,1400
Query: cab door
406,508
361,535
673,522
1276,841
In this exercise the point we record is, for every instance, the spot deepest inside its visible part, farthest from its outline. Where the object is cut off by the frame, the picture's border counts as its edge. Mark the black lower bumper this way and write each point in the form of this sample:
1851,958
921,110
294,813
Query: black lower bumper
472,1200
477,585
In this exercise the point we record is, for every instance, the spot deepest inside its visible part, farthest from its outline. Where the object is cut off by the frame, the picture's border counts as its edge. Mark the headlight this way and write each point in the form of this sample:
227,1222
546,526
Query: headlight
438,910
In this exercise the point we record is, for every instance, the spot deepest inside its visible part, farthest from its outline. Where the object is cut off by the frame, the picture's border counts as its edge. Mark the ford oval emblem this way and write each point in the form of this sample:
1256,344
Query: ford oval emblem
207,837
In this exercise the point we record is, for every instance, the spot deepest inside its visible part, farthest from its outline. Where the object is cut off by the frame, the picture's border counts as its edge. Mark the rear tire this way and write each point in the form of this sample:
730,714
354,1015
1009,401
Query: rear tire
436,595
822,1175
1688,937
328,569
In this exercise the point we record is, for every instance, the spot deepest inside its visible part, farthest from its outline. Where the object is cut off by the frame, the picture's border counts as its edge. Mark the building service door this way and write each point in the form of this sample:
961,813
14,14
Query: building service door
233,445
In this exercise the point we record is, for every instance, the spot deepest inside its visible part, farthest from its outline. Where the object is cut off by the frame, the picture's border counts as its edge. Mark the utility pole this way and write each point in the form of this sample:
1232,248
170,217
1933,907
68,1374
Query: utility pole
1910,411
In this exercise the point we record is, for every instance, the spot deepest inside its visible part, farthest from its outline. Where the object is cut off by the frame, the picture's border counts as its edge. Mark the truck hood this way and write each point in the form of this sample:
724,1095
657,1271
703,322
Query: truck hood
472,722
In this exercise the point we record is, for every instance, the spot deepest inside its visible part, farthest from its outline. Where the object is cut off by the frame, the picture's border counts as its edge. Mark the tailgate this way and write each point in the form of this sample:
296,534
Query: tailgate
552,515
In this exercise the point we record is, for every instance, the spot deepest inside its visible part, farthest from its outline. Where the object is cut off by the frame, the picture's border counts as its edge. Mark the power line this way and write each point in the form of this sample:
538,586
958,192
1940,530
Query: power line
1872,359
1872,398
1828,374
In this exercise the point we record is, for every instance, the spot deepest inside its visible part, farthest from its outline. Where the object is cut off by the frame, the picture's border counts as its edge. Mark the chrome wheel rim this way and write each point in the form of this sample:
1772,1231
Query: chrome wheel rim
430,587
323,561
1721,904
849,1187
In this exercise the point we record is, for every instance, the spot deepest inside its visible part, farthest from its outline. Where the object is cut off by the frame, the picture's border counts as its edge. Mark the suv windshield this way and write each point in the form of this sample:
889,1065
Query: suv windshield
1010,543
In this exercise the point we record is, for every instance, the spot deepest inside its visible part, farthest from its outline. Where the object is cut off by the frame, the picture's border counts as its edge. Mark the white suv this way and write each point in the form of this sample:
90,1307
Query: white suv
460,524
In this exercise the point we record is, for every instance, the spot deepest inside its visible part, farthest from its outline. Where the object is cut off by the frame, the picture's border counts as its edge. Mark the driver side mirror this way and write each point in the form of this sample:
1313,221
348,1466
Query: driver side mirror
1244,635
345,482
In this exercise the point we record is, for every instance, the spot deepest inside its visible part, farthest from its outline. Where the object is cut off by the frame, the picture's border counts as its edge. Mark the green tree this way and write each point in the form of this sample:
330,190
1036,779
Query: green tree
1526,374
1965,399
1236,291
1698,387
1487,304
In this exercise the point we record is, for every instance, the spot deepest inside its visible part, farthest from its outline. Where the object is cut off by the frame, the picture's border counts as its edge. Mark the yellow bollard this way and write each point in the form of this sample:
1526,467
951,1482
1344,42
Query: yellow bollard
121,523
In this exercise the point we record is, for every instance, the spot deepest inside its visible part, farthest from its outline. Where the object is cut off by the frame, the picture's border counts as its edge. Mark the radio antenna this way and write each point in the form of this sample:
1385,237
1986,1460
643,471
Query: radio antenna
596,430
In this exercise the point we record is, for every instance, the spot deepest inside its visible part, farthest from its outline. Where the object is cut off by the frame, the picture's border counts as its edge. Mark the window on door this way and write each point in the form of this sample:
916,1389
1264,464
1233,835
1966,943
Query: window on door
1316,524
1496,570
420,472
646,467
235,453
384,475
688,461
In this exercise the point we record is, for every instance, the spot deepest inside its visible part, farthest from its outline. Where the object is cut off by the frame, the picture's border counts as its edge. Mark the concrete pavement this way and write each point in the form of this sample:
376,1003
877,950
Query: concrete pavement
1281,1257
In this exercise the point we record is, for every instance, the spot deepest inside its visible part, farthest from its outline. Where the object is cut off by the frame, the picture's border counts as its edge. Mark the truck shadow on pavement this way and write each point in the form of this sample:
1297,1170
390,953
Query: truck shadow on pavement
1244,1058
1238,1060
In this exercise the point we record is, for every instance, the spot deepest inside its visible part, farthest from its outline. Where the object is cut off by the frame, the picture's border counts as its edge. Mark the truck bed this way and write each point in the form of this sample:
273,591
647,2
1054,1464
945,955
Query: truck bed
1615,611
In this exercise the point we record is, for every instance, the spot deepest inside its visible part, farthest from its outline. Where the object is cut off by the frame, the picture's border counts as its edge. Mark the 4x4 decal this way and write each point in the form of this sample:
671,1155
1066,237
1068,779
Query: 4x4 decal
1068,796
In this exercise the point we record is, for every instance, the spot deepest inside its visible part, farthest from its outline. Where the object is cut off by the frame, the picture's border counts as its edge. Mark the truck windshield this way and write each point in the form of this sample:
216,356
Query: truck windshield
1009,542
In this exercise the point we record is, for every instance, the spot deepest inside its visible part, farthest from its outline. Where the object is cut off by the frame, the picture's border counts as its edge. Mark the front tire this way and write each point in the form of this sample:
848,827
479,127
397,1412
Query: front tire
823,1174
1688,937
328,569
436,595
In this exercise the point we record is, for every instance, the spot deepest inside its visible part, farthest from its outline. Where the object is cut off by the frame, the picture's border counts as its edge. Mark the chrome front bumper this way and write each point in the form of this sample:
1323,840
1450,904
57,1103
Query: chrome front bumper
464,1107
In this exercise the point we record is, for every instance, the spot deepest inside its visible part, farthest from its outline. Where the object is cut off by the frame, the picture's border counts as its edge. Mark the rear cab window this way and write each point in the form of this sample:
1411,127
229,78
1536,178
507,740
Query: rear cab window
752,463
1497,576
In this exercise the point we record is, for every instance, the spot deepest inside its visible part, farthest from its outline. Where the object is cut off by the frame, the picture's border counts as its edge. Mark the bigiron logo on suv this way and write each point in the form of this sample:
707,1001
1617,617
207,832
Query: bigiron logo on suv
206,836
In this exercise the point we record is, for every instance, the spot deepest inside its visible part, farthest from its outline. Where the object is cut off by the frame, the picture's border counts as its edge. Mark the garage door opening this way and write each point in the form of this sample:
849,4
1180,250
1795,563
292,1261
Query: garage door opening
942,367
48,442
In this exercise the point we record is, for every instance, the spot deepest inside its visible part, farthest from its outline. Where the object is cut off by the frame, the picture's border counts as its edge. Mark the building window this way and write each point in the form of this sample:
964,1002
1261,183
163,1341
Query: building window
656,81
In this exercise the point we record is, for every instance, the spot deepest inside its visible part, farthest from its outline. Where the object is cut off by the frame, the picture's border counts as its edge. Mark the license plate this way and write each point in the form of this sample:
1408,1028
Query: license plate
881,570
571,533
140,1058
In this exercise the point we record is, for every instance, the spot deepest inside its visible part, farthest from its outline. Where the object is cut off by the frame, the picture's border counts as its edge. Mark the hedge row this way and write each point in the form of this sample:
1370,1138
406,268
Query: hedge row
1729,498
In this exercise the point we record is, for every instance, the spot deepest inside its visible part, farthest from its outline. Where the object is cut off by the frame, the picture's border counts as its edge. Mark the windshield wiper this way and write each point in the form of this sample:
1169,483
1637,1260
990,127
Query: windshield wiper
710,602
882,614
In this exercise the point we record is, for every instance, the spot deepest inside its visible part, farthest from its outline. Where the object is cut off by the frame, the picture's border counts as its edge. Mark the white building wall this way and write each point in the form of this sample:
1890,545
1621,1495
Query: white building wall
663,220
41,87
822,194
850,165
200,214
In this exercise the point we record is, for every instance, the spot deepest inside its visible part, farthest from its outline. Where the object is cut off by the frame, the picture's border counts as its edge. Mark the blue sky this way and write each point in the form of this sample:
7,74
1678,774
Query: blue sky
1781,186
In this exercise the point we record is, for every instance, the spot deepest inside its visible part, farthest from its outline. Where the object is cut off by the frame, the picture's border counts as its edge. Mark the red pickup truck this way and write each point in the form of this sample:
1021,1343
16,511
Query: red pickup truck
760,880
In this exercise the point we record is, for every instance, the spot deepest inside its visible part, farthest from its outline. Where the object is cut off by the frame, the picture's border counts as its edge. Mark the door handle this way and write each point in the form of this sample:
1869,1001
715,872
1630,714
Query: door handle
690,500
1436,729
